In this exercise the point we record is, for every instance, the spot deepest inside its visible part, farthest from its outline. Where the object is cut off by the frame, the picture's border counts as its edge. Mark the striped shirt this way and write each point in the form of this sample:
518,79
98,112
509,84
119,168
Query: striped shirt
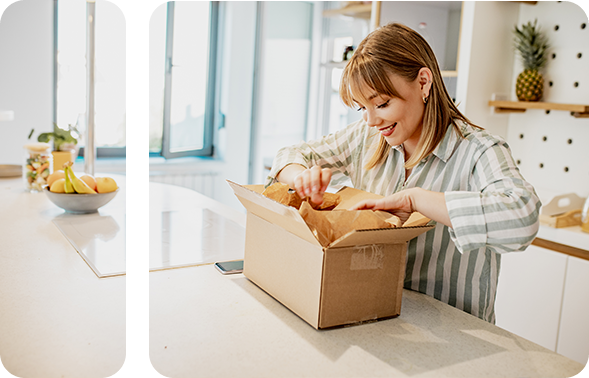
492,208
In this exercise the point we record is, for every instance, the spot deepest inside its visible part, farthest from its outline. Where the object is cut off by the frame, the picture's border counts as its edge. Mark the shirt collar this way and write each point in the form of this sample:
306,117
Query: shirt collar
448,145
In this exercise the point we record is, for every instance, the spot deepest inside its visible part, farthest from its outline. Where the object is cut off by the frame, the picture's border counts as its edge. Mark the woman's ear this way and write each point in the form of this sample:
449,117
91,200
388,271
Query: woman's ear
425,81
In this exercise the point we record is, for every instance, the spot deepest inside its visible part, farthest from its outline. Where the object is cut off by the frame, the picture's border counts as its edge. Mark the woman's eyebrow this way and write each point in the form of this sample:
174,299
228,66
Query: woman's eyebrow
374,95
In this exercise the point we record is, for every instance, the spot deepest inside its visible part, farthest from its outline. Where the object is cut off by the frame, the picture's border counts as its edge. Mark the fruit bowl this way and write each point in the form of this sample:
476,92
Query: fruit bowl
80,203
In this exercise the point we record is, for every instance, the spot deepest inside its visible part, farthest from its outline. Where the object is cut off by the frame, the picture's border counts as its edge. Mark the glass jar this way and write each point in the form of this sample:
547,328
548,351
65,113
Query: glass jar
38,165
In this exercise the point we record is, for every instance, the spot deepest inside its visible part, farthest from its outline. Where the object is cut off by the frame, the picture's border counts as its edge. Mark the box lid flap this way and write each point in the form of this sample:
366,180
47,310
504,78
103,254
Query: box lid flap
380,236
285,216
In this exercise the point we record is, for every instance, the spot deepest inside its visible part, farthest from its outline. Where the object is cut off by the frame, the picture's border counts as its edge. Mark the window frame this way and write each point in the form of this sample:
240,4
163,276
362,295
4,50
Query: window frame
209,116
210,105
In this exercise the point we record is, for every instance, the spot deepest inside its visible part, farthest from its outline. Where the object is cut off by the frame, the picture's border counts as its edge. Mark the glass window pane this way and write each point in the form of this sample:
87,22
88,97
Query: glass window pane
157,54
109,75
71,60
189,75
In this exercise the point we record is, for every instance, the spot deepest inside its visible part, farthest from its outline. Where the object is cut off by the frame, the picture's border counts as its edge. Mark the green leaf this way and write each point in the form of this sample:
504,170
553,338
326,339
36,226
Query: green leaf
45,137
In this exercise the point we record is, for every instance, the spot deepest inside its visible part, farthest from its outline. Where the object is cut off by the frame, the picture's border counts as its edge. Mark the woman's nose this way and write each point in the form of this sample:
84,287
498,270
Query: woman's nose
371,118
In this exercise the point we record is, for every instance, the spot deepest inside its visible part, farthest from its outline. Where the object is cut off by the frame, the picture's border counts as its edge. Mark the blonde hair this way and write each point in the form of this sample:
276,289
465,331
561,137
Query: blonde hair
397,49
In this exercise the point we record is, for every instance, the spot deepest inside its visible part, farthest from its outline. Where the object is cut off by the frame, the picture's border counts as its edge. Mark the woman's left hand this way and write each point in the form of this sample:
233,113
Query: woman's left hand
403,203
399,204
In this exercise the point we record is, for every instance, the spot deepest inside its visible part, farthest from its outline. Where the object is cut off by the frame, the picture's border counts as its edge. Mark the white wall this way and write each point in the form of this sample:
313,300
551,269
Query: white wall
26,74
485,62
541,141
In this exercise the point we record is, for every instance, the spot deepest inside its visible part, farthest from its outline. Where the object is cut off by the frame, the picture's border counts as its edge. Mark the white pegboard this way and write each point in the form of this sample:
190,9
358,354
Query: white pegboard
552,148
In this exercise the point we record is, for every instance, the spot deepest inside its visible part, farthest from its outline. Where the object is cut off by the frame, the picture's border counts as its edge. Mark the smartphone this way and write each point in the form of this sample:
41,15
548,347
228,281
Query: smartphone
230,267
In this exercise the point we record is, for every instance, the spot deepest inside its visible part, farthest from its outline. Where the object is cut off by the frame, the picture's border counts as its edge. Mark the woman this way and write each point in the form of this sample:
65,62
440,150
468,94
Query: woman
414,147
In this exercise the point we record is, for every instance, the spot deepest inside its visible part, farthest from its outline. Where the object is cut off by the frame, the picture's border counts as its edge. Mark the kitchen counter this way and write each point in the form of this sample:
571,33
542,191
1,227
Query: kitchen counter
568,236
58,319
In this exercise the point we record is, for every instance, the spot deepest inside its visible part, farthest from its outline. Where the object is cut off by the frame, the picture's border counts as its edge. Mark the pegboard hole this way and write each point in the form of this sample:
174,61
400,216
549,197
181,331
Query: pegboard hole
579,55
547,111
576,84
566,169
518,162
553,56
583,25
521,136
570,141
541,165
556,27
544,138
550,83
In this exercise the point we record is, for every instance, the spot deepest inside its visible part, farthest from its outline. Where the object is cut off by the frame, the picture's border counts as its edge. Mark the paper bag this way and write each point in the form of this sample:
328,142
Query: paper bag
282,193
328,226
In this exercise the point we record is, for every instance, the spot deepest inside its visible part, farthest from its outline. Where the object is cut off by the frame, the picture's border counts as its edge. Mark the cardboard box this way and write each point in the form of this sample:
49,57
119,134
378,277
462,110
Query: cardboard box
357,278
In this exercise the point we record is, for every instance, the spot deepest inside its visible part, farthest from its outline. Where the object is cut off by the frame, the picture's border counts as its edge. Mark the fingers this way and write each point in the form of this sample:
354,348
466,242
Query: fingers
325,179
313,182
365,205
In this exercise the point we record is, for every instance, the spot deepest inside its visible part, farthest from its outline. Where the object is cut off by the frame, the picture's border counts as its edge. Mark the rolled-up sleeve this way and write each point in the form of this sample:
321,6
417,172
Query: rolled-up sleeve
500,210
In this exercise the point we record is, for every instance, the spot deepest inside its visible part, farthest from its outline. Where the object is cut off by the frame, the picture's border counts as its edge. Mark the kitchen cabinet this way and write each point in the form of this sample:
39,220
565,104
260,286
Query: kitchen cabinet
529,294
543,296
573,335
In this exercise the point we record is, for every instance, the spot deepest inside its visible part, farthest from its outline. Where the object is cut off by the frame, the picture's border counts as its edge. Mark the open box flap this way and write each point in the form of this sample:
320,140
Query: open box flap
285,216
380,236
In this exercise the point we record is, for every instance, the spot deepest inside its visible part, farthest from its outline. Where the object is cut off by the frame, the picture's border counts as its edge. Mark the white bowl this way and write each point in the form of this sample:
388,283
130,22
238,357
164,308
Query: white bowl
80,203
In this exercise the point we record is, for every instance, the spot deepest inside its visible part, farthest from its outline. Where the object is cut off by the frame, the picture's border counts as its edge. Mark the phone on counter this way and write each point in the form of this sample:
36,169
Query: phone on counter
229,267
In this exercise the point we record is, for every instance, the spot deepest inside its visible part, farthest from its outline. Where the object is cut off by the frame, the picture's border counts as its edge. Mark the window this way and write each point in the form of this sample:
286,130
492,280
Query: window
151,71
188,68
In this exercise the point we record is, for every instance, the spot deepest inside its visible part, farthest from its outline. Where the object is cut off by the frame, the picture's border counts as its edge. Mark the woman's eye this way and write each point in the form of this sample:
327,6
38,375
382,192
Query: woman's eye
360,109
383,105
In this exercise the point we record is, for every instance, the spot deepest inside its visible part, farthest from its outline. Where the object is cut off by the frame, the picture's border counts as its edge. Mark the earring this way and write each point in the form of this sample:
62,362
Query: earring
425,100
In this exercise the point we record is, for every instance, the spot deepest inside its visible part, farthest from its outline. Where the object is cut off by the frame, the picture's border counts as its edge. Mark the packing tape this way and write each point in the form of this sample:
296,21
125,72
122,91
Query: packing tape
367,257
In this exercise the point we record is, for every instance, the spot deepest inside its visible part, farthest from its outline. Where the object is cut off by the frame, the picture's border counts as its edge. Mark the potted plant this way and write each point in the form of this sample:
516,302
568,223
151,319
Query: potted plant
532,47
65,144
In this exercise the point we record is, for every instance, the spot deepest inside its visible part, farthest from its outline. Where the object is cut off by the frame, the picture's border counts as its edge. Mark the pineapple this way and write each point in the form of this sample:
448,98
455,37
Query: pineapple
532,47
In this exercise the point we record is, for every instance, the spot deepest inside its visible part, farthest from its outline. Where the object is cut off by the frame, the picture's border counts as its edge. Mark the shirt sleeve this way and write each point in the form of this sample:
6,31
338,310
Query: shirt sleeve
501,210
336,151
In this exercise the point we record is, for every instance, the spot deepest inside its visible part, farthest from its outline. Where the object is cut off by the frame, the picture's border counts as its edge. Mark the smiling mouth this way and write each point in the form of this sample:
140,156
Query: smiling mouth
389,128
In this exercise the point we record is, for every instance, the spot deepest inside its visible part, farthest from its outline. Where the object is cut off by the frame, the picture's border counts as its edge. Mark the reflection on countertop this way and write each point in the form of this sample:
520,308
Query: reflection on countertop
119,240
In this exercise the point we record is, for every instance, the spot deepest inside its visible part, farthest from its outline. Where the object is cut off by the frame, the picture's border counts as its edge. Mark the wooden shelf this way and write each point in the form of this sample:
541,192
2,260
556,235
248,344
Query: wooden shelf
449,73
577,111
355,10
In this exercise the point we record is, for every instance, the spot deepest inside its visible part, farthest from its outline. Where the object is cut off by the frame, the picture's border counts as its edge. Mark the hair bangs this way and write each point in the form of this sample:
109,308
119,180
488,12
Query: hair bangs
363,78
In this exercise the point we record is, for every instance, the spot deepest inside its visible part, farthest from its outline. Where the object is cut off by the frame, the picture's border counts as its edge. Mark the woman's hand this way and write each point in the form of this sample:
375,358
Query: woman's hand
403,203
311,182
399,204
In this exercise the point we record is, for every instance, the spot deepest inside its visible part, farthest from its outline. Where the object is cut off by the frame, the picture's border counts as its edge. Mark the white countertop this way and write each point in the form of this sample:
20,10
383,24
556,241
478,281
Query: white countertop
571,236
59,319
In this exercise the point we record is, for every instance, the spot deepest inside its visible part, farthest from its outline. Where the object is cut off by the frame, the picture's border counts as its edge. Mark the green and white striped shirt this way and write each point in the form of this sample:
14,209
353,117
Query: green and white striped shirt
492,208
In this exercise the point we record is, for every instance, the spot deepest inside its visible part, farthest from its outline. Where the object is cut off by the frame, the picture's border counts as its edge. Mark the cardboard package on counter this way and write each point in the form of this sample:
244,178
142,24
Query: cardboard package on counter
355,278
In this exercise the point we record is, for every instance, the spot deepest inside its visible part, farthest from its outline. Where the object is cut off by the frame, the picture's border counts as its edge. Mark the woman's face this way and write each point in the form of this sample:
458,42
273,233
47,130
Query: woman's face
399,120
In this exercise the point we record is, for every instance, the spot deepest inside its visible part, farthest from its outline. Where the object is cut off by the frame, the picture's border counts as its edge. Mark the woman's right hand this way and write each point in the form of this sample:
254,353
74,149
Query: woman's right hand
311,182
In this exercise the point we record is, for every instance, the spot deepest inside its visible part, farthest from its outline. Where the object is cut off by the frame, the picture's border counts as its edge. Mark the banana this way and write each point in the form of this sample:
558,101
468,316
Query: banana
69,188
79,185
